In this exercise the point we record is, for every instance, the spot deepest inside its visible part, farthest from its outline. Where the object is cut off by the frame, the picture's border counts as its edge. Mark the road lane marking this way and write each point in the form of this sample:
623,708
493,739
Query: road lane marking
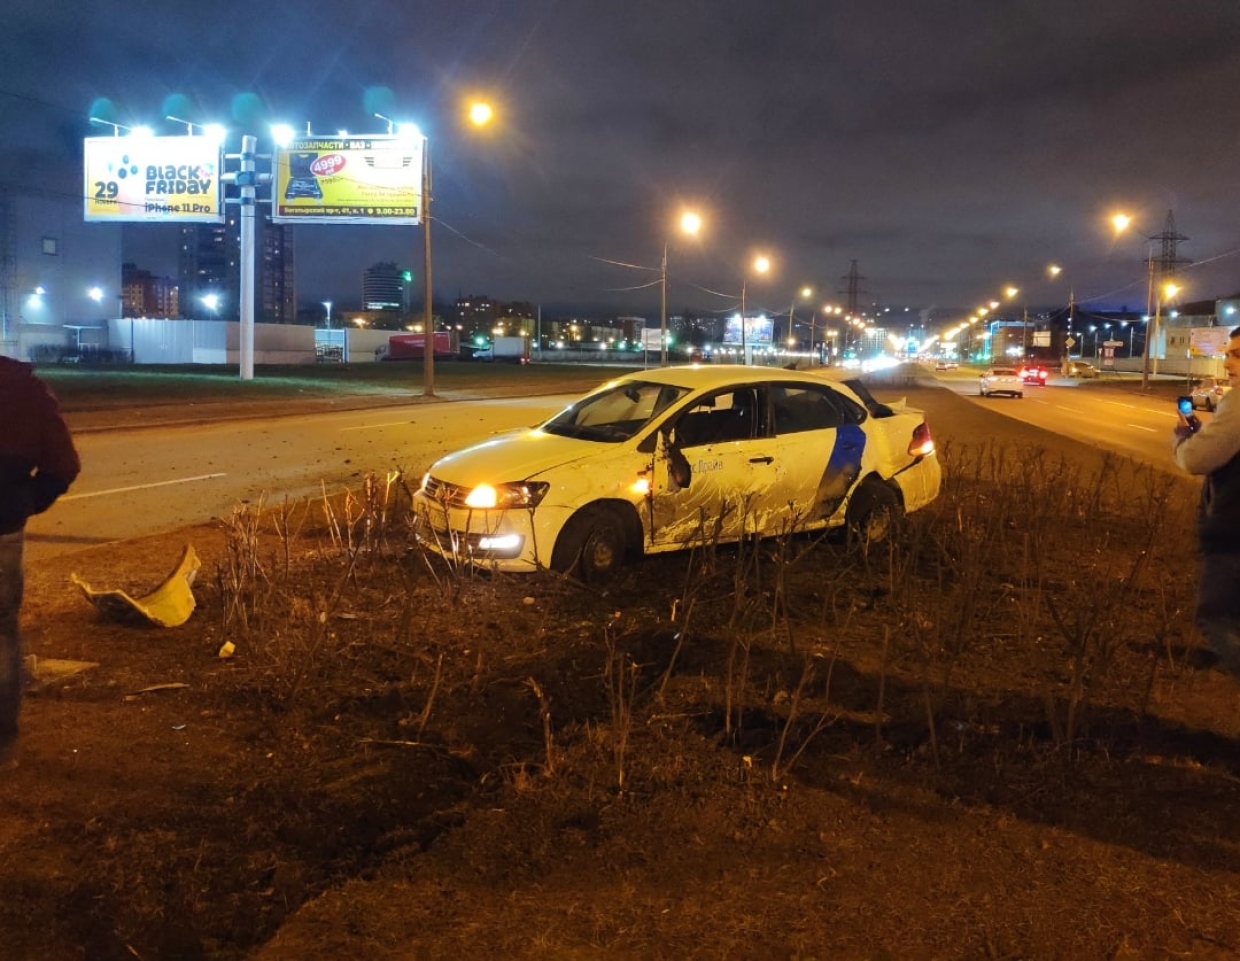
140,487
1152,430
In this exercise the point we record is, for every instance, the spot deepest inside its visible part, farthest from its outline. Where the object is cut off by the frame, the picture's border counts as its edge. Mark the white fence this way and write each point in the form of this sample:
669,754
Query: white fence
155,341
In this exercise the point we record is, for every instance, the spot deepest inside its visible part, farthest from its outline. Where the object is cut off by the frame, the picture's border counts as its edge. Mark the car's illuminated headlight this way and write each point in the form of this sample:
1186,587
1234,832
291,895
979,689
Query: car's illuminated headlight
506,545
506,496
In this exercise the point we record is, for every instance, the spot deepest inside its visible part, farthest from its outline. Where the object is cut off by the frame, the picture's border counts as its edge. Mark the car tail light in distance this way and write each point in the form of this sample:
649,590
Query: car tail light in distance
922,443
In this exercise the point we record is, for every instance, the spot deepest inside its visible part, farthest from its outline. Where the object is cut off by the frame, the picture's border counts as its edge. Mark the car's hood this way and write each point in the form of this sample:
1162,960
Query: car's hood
516,456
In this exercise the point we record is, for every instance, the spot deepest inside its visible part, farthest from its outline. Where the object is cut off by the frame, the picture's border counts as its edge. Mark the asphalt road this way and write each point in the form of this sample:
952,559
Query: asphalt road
139,482
1119,417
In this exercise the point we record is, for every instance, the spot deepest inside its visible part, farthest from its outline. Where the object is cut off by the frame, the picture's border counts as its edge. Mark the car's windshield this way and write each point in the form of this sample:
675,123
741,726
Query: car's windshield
616,413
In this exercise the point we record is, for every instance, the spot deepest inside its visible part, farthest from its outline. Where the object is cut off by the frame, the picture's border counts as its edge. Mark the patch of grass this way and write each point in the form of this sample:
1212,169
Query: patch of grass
80,388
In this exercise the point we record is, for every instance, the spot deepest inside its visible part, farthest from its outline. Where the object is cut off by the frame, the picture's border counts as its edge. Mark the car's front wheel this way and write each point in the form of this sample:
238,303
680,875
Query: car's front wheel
591,546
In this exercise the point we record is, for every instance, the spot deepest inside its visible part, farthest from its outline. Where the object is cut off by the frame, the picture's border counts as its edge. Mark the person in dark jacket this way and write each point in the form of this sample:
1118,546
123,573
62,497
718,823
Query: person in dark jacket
1214,451
38,462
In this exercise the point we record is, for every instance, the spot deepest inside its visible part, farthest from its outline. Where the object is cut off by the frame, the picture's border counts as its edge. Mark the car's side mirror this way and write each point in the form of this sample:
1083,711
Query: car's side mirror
678,471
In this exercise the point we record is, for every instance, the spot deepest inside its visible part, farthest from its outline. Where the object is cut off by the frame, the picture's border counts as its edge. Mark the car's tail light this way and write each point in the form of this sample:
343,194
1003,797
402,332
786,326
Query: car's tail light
922,443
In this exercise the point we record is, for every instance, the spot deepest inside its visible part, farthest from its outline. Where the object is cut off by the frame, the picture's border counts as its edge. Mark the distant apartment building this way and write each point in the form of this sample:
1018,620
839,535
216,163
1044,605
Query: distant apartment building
210,266
145,295
474,314
480,314
385,287
520,313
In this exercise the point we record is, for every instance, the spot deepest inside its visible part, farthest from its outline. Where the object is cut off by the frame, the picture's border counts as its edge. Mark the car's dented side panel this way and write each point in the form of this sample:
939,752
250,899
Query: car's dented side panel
724,496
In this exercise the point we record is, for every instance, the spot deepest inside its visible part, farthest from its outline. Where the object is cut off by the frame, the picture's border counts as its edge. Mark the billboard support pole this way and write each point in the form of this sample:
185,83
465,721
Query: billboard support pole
246,179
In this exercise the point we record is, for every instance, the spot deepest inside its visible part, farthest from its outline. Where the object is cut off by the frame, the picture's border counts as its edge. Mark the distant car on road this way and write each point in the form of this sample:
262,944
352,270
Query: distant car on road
1208,392
945,365
1001,380
1033,374
1080,369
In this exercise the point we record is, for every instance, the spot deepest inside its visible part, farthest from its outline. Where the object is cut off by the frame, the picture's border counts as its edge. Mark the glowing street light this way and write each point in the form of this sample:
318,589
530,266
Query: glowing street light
690,224
328,305
283,134
212,131
480,114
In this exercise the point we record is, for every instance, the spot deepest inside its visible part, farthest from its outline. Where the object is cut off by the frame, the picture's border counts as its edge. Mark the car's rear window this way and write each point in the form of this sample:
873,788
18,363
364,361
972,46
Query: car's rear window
1003,372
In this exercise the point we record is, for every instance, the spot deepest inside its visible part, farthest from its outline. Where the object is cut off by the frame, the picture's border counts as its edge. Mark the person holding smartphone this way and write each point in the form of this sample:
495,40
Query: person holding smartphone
1212,450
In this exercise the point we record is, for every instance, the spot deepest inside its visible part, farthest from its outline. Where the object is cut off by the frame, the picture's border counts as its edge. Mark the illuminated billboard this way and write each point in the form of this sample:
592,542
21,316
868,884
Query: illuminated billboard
1208,341
758,330
348,180
153,179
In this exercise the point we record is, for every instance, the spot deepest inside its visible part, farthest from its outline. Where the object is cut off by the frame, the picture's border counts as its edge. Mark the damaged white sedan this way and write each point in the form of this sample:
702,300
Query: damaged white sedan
666,459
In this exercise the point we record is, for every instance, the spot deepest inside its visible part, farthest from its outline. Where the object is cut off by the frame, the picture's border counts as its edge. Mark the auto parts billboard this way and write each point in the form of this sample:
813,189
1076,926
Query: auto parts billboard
348,180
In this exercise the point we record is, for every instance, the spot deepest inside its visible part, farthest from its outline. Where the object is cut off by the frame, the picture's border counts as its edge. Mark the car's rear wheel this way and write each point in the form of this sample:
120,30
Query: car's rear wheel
591,546
873,512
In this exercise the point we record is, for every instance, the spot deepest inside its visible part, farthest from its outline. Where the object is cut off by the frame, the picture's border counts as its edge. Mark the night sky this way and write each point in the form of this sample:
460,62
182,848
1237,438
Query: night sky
950,148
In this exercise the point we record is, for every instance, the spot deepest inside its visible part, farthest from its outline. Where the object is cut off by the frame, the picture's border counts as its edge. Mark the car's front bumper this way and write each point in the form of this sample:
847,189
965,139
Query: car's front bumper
518,540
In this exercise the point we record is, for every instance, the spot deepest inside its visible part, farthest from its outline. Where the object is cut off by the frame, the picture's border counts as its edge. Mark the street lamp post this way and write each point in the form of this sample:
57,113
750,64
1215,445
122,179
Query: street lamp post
1165,293
761,265
1150,332
480,115
690,223
805,293
328,305
1121,223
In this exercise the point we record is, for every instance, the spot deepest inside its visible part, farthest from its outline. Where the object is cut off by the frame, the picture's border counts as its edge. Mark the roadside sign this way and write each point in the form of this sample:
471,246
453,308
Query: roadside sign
1208,341
348,180
153,179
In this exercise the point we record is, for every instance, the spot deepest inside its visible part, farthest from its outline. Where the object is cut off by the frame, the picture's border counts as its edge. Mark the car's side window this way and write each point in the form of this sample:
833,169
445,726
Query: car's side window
798,409
726,416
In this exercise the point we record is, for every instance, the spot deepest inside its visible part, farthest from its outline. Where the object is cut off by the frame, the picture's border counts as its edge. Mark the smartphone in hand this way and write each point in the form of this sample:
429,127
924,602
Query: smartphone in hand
1185,407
